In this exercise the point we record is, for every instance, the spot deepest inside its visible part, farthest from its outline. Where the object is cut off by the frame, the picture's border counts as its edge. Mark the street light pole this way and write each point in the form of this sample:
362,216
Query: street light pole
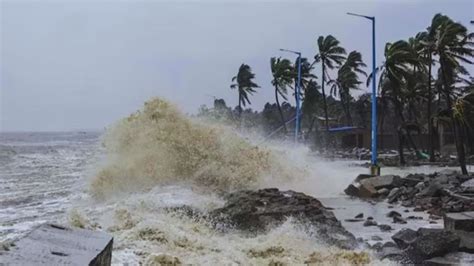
374,168
297,92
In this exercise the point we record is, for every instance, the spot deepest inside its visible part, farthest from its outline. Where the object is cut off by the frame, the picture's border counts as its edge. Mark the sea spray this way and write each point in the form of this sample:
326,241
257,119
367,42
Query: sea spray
159,145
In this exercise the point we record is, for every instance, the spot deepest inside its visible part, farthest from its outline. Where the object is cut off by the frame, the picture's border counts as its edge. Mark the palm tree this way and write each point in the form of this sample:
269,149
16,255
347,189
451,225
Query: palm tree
394,74
282,78
330,55
453,46
347,79
463,110
245,84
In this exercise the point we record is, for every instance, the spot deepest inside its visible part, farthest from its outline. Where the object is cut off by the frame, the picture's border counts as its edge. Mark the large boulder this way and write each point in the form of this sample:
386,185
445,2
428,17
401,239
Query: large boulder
426,243
257,211
365,186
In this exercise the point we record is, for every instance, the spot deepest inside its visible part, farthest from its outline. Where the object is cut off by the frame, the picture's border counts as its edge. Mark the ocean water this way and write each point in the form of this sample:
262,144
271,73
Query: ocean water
41,175
122,182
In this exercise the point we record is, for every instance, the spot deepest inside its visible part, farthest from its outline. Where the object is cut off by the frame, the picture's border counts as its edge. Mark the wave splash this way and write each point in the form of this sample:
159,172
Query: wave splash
159,145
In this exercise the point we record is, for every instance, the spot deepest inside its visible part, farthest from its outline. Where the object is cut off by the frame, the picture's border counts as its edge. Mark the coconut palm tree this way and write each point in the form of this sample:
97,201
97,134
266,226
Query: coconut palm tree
245,84
331,54
394,73
282,78
453,46
347,80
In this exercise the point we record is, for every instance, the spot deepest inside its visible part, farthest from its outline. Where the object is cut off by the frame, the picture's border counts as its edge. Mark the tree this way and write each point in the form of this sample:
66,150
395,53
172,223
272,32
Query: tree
347,80
330,55
453,46
245,85
282,78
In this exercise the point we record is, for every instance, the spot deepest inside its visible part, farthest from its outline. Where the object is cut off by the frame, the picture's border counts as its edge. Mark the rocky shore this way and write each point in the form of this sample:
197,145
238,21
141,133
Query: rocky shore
446,195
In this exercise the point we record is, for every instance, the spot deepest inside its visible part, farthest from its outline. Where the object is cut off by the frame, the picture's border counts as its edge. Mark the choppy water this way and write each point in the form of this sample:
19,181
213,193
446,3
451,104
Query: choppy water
41,175
45,175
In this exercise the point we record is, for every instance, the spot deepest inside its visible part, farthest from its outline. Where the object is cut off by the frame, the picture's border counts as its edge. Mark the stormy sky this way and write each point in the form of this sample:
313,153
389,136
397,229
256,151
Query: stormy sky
77,65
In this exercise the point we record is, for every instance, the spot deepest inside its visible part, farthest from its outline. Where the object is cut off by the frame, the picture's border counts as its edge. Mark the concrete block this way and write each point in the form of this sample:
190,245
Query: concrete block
51,244
459,221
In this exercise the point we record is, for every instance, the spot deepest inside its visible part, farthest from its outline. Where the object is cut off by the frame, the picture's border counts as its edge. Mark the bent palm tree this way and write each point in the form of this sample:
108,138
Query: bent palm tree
330,55
347,79
453,46
282,78
245,85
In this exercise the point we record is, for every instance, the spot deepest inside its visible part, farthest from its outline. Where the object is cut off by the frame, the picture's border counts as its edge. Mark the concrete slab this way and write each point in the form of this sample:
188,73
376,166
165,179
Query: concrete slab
51,244
459,221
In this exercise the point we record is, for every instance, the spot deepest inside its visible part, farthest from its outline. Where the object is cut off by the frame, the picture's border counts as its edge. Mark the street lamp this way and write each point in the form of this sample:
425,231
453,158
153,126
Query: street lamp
297,92
374,168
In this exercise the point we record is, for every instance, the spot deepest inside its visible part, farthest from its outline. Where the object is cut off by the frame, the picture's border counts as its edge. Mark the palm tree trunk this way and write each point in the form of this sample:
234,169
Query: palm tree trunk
428,115
279,109
324,97
457,127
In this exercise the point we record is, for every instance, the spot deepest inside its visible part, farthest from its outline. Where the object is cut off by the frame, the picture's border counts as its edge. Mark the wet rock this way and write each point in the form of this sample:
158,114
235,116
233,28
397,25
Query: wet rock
420,186
392,214
383,191
384,181
261,210
377,246
376,238
431,243
355,220
412,217
399,220
404,237
370,223
385,227
433,190
393,195
390,253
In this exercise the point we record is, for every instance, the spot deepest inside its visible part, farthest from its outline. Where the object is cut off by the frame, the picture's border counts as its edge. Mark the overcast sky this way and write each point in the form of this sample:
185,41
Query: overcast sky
70,65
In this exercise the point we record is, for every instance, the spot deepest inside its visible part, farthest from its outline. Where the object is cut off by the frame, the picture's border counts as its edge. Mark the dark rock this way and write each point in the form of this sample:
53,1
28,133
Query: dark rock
392,214
434,217
352,190
385,227
406,210
376,238
383,191
355,220
412,217
261,210
370,218
370,223
393,195
399,220
360,215
391,253
433,190
431,243
390,244
377,246
404,237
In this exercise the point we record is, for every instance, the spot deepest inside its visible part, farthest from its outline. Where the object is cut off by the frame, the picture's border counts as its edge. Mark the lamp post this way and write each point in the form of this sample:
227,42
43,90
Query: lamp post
374,168
297,92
